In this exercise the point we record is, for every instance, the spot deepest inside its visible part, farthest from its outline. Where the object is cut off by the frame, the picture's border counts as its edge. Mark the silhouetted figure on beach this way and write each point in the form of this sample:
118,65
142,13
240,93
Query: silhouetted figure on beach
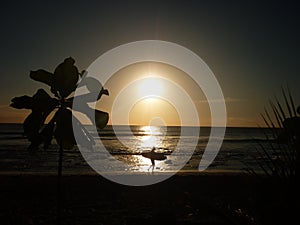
152,160
152,155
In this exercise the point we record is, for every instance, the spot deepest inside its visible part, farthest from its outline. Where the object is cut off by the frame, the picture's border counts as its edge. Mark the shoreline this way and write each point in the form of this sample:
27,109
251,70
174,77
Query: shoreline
130,173
193,198
153,178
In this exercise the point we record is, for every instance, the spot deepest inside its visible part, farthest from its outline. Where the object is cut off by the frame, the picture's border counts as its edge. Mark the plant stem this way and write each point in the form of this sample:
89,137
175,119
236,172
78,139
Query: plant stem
59,175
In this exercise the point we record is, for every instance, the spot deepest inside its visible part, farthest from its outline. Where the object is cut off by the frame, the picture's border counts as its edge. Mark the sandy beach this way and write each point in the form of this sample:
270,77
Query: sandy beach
224,194
205,198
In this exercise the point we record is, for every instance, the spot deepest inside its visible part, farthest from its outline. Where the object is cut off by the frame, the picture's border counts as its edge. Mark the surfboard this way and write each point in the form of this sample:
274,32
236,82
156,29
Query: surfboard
154,155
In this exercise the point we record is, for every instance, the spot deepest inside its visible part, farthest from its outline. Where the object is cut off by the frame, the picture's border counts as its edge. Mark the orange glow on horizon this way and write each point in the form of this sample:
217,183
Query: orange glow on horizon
149,109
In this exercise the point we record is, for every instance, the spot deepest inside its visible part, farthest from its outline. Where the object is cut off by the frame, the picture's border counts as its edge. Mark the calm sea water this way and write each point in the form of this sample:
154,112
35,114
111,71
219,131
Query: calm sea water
239,149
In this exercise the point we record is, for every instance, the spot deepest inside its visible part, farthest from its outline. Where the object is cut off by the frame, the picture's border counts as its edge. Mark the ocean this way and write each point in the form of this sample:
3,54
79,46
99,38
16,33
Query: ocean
239,150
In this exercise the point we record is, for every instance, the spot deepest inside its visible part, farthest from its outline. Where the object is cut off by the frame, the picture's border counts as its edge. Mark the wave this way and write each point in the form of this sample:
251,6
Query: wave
18,136
233,135
252,140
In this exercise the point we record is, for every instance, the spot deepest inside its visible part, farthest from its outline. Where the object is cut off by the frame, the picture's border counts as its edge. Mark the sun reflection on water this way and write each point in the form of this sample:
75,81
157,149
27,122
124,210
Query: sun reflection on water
152,137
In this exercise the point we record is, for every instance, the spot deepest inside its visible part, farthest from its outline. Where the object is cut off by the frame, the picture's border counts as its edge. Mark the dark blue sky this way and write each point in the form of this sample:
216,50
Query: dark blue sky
252,47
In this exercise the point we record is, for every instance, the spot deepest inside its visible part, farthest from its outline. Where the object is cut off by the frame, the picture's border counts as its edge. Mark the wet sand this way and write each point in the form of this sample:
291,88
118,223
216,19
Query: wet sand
194,198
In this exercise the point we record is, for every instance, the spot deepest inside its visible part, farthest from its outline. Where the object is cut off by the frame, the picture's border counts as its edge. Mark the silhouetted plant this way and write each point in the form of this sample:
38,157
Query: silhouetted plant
63,82
279,158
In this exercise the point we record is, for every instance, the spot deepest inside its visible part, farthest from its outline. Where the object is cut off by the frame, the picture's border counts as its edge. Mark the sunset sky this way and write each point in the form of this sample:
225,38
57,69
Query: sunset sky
251,47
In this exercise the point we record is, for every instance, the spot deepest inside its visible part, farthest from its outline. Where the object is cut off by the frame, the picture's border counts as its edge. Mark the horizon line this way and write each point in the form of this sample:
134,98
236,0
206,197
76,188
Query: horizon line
205,126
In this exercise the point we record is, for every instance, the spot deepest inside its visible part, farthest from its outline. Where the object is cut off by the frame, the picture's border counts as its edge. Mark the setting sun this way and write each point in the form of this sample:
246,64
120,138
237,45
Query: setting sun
143,91
151,86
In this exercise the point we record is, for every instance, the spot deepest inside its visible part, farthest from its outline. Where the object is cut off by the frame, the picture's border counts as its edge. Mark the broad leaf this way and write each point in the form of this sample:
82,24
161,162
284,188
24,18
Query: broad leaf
94,87
85,98
292,127
99,118
41,105
63,82
23,102
64,131
92,84
32,124
42,76
37,137
43,102
65,78
47,133
40,101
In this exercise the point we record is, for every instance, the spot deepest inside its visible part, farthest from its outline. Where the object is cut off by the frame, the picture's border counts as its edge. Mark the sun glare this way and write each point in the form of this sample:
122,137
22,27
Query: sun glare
148,110
151,86
150,138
